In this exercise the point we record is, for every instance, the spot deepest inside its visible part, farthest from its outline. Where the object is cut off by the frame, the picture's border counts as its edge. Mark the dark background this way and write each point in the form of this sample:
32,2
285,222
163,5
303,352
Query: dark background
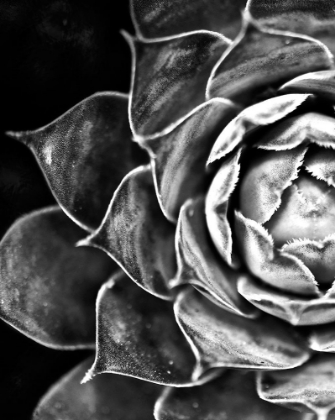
54,53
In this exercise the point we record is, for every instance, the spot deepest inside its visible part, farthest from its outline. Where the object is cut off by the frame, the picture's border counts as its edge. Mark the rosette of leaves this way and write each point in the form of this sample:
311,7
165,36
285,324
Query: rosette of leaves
193,242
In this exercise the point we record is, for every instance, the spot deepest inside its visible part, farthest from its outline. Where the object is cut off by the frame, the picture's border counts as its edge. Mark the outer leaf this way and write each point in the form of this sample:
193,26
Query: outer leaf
260,59
84,155
165,18
278,269
290,133
265,180
47,286
138,336
314,18
106,397
309,387
179,158
261,114
199,265
137,235
169,79
221,339
321,83
233,396
296,310
216,206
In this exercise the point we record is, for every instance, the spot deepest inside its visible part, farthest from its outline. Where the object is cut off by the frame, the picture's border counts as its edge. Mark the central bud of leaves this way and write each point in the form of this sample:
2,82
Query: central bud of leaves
307,211
291,194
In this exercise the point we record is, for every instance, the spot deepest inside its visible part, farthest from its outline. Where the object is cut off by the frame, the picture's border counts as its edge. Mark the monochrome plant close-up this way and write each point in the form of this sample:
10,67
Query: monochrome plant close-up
192,246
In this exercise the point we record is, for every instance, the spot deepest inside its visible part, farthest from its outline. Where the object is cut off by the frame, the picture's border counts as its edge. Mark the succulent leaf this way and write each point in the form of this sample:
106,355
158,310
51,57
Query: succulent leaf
260,114
321,164
136,234
169,79
314,18
137,336
306,388
292,308
105,397
179,158
72,153
318,256
321,83
47,286
322,338
199,265
290,133
267,177
307,211
278,269
259,59
221,339
232,396
216,206
162,18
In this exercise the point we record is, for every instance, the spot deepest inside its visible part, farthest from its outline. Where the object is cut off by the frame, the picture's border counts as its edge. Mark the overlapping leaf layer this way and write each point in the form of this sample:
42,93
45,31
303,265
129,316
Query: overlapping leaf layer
193,239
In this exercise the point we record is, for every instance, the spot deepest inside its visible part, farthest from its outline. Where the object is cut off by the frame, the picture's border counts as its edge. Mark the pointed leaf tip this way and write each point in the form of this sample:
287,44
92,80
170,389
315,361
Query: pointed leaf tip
138,336
72,153
137,235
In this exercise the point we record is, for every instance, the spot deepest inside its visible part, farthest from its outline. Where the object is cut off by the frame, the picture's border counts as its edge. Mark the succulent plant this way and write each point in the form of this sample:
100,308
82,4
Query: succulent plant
192,246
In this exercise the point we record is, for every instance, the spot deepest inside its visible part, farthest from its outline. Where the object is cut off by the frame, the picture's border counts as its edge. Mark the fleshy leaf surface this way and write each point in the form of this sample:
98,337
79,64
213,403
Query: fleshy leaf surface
163,18
290,133
321,164
294,309
216,206
261,114
169,79
318,256
278,269
265,180
322,338
199,264
138,336
84,155
260,59
310,387
313,18
136,234
221,339
232,396
179,158
48,286
321,83
103,398
307,211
